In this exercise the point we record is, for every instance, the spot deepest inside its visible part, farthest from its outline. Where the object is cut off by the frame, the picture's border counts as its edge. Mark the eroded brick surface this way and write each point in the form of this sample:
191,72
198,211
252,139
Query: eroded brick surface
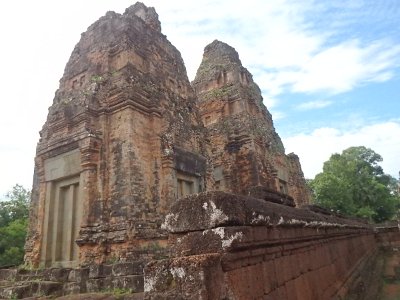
326,258
127,135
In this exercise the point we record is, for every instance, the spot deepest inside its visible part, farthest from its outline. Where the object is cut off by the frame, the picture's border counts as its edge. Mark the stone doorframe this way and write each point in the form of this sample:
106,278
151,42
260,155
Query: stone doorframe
63,210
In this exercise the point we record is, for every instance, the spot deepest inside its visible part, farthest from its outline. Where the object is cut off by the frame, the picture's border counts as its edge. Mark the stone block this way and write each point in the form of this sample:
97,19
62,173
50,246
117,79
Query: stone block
272,295
277,250
19,292
302,288
274,233
192,277
99,271
27,275
321,257
79,275
288,248
132,282
316,283
50,288
269,275
8,274
263,233
234,260
291,291
127,268
59,274
256,280
314,261
288,233
303,262
214,240
281,292
255,260
288,268
238,283
296,265
97,284
72,288
330,292
279,271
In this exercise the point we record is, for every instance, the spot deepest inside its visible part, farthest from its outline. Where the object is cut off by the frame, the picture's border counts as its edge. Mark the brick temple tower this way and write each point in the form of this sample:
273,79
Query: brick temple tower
247,154
123,139
127,135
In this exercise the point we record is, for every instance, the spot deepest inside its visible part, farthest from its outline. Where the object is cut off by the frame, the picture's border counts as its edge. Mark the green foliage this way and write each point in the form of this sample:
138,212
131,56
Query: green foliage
112,260
353,183
14,213
119,291
16,205
218,93
97,78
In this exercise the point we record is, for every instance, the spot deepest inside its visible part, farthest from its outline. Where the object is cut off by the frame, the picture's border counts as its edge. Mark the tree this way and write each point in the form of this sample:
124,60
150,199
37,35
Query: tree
16,206
354,183
14,213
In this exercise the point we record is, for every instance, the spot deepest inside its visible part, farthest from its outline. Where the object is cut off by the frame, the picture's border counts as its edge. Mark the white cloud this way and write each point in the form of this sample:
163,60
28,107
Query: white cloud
342,67
280,42
336,69
317,147
314,104
269,101
278,115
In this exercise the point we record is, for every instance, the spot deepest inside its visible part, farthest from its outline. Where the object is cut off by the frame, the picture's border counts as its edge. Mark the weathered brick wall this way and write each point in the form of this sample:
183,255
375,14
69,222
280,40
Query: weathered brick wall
127,134
230,247
125,116
388,237
246,151
36,284
223,246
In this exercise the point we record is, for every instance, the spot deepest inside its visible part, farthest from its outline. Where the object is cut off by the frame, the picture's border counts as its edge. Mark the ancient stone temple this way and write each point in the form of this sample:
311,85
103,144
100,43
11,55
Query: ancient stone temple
247,154
127,135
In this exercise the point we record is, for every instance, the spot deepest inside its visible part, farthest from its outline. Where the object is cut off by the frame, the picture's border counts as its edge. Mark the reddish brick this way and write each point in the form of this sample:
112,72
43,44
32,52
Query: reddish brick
239,283
291,291
302,288
269,275
279,270
256,280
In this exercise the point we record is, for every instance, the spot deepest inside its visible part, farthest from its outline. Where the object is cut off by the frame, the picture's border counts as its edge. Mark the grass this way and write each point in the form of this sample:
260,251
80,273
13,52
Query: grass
118,292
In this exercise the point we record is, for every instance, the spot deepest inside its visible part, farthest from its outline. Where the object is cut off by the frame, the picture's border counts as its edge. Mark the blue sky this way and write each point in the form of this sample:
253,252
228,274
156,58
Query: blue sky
329,70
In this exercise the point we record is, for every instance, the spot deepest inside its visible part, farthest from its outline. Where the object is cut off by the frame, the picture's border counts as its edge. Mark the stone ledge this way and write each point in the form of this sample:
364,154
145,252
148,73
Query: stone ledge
209,210
239,238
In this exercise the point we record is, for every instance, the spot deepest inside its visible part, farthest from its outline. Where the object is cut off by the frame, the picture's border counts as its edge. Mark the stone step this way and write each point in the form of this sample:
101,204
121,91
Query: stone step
22,290
8,274
115,278
102,296
4,283
133,282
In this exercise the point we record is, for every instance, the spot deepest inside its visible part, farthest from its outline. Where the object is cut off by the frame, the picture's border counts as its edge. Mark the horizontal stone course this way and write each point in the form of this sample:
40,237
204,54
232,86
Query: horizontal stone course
209,210
285,255
22,283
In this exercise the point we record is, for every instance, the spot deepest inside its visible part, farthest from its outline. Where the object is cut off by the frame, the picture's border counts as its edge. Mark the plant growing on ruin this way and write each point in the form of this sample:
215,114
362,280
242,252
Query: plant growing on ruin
13,297
97,78
152,246
112,260
28,267
118,292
